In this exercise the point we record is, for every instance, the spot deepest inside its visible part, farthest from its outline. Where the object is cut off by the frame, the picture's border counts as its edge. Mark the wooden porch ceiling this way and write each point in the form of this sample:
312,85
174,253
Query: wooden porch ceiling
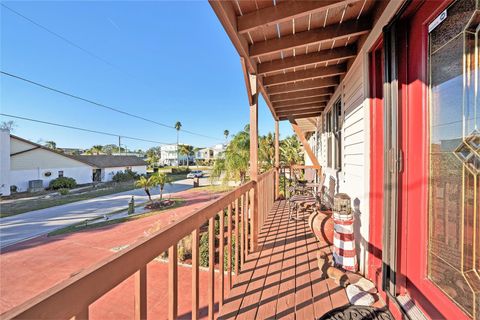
300,50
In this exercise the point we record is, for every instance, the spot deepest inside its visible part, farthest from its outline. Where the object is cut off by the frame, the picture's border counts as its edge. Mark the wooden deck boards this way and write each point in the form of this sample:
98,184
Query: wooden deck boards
282,279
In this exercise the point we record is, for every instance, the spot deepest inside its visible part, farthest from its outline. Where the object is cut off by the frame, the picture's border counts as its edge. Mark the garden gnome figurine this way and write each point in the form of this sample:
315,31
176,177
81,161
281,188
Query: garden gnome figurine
344,253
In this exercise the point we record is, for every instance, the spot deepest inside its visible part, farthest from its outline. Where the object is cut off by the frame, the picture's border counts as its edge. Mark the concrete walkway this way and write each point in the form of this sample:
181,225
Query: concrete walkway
34,223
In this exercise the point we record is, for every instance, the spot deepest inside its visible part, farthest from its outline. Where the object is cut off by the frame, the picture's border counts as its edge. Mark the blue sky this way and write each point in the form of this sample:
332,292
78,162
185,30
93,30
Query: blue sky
168,61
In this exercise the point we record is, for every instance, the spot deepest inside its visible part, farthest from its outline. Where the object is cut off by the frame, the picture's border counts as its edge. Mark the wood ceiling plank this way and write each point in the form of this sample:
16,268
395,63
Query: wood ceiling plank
311,37
321,92
300,101
320,72
302,116
283,11
304,85
308,59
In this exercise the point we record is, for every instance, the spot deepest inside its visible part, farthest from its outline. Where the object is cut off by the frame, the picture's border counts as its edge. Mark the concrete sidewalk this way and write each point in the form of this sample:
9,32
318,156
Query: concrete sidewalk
34,223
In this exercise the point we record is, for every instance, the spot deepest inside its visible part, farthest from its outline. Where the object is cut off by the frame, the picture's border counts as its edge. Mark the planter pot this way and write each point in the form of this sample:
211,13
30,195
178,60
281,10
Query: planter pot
321,224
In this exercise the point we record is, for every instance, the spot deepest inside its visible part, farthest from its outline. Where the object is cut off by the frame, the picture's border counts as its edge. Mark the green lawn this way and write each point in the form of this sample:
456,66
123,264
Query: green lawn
21,206
81,225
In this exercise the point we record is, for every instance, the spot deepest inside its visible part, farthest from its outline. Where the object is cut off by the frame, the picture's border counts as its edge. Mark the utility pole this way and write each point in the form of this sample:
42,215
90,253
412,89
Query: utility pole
119,144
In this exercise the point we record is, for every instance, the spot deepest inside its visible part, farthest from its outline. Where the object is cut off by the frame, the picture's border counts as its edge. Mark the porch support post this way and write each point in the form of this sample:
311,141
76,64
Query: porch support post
277,161
304,142
254,159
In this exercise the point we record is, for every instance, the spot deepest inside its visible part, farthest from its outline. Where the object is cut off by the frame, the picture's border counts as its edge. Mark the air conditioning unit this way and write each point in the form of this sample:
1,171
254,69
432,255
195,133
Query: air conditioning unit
35,185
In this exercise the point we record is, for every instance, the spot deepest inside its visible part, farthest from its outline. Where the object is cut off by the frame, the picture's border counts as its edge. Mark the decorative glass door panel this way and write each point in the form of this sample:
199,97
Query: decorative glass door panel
454,200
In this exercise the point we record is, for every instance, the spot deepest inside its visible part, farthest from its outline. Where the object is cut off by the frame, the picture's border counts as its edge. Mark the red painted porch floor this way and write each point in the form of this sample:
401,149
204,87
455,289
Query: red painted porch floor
282,280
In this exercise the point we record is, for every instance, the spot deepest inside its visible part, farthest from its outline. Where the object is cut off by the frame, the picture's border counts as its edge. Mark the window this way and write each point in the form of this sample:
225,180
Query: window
333,128
60,173
337,133
328,130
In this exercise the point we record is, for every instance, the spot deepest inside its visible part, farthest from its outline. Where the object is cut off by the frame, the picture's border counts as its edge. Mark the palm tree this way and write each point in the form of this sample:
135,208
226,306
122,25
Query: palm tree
266,151
146,184
162,179
226,133
178,126
185,150
291,151
51,144
96,149
236,161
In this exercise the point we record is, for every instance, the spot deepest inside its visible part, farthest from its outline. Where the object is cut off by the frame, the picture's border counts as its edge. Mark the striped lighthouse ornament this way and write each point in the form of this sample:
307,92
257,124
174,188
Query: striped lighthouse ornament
344,253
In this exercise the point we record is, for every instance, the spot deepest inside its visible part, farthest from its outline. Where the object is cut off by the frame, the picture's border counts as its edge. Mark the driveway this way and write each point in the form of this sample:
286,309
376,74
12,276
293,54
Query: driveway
34,223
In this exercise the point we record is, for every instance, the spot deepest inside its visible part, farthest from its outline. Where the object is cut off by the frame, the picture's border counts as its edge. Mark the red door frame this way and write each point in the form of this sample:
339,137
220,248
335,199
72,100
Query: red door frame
414,141
374,271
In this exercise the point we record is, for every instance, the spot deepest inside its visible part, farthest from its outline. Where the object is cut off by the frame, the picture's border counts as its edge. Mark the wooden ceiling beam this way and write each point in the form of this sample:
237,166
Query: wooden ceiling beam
301,107
321,92
311,37
299,112
320,72
228,18
281,113
301,101
283,11
304,85
307,59
302,116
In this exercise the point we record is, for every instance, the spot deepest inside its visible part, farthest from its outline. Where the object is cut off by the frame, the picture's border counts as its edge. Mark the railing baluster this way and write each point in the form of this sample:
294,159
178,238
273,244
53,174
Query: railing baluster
141,294
245,207
237,237
211,267
172,282
221,258
195,273
242,234
229,244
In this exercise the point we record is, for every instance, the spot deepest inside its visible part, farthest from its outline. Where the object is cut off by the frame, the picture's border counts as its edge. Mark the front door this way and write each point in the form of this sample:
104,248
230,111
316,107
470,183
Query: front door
439,136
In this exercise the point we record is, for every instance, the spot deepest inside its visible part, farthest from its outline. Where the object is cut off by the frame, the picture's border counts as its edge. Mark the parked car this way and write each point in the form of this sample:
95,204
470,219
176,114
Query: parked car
195,174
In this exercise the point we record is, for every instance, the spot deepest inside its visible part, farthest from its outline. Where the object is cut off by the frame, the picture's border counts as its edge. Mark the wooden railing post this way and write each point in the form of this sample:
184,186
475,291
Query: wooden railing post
211,268
141,294
195,273
172,282
254,161
229,243
221,239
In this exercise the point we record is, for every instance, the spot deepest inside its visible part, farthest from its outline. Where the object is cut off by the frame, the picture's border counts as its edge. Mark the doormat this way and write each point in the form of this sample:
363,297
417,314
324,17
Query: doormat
358,313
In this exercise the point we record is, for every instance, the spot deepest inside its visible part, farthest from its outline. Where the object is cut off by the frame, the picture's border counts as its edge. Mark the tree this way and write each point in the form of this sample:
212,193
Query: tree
146,184
153,156
226,133
235,164
185,150
8,125
96,149
162,179
291,151
112,148
266,151
50,144
178,126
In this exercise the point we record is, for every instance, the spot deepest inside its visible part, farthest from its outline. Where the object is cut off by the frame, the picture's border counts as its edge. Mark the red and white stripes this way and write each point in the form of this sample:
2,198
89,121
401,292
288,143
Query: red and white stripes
344,252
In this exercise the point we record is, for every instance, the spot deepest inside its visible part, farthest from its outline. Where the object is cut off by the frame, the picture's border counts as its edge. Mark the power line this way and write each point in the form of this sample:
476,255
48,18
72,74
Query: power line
101,104
59,36
82,129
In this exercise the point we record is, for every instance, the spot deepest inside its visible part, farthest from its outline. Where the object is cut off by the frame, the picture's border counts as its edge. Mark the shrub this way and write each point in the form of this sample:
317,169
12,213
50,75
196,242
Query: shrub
204,250
62,183
63,191
180,170
124,176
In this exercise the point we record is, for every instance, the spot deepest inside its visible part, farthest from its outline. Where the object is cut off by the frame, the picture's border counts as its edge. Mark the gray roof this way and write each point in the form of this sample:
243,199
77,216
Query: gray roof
107,161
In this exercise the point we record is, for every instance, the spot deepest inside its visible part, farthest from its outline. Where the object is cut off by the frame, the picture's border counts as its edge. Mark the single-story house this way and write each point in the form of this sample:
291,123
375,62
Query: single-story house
106,166
28,165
